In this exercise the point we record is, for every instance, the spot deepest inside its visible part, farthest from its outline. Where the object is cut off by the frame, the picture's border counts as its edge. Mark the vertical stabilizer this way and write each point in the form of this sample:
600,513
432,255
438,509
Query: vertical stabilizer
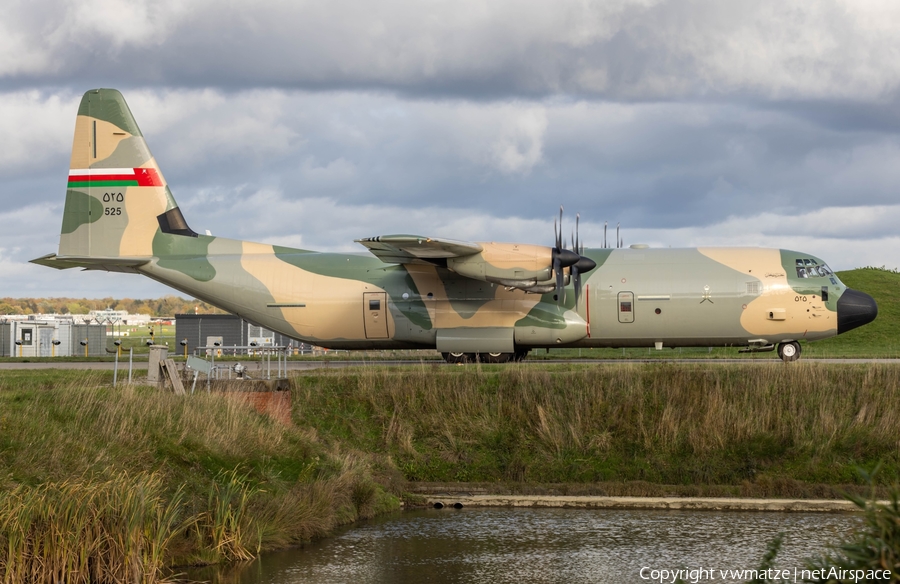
117,198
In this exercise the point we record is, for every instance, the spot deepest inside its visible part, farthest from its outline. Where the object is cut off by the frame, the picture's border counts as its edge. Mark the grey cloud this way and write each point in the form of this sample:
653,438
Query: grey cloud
769,50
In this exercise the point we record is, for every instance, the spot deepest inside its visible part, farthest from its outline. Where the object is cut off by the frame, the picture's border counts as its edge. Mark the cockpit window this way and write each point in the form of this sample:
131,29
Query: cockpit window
810,268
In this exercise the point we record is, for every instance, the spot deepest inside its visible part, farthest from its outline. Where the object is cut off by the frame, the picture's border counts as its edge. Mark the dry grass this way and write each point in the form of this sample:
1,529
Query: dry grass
661,423
225,482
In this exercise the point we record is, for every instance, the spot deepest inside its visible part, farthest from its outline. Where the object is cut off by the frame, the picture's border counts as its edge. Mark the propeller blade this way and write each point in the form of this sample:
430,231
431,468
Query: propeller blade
557,267
559,241
555,236
578,249
576,277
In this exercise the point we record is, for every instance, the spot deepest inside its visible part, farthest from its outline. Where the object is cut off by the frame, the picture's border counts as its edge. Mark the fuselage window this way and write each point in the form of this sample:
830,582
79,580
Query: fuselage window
625,307
374,304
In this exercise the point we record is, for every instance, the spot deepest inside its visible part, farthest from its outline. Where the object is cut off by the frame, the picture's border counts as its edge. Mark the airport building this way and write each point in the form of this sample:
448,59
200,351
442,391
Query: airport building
204,330
115,317
50,338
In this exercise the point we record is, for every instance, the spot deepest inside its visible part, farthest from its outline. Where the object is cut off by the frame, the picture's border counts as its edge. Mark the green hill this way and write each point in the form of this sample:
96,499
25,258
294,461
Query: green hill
878,338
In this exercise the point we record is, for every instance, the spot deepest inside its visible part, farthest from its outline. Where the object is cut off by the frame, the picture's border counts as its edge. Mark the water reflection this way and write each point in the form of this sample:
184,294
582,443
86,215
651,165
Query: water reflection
542,545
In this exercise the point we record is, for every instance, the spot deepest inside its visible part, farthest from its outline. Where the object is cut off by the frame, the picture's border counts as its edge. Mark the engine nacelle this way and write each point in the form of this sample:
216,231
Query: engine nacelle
508,264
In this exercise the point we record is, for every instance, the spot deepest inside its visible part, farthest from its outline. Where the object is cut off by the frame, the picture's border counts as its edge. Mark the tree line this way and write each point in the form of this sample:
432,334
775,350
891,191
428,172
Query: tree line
166,306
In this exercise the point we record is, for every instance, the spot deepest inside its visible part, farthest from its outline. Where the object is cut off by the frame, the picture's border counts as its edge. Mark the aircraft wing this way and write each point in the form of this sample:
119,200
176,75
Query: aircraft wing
417,249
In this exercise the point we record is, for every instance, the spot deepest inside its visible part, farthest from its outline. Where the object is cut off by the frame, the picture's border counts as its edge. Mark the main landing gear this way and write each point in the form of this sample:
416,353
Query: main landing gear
484,357
789,351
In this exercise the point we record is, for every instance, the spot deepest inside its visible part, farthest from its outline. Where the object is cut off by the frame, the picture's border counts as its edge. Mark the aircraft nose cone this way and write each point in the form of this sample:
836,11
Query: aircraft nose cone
855,309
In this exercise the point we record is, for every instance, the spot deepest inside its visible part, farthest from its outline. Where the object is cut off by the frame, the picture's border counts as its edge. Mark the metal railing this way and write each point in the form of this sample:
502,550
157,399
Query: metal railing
265,352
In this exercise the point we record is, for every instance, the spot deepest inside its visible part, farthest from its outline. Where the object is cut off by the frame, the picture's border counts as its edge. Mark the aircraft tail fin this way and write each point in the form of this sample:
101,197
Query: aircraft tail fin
117,200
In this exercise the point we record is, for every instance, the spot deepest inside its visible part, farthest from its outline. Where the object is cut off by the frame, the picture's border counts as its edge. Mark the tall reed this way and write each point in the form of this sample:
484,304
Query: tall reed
86,531
229,481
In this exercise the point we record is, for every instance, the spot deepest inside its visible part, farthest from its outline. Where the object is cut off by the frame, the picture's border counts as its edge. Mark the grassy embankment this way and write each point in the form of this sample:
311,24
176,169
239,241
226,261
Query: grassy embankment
749,430
126,481
111,485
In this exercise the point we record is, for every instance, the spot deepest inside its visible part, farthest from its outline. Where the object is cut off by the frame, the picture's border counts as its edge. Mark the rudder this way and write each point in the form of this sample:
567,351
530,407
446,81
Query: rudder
117,198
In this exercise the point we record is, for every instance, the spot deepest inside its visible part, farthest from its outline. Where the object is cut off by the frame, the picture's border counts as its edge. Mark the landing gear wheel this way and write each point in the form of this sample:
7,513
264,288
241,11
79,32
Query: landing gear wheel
520,355
494,357
789,351
459,357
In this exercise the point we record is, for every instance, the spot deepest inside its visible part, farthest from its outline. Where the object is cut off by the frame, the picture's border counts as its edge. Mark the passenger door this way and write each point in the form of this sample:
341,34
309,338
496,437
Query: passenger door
375,307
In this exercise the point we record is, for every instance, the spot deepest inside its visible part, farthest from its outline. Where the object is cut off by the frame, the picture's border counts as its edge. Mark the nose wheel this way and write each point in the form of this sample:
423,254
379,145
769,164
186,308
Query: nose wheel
789,351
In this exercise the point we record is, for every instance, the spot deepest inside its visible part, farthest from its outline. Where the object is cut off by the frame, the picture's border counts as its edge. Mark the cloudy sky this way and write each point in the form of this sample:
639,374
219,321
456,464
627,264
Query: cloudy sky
312,123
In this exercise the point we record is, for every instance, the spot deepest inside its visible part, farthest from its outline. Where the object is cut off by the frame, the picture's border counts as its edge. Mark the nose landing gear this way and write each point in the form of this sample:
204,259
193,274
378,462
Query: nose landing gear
789,351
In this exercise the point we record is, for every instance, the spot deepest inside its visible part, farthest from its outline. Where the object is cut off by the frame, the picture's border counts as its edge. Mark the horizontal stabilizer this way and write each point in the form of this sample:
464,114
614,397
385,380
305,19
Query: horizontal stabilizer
113,264
407,249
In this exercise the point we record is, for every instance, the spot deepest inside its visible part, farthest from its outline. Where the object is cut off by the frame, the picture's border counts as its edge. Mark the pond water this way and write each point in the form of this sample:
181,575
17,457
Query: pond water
545,545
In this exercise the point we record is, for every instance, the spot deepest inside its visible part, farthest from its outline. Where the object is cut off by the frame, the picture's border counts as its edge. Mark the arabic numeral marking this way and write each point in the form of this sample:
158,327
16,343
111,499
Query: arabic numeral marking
110,197
112,211
799,298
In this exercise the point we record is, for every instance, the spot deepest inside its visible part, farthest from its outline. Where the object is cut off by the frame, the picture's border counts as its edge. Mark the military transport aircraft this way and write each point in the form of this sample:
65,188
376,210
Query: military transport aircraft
485,300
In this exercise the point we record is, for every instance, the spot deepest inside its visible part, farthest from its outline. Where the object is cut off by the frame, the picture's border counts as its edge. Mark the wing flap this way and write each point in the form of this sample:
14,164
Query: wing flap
407,249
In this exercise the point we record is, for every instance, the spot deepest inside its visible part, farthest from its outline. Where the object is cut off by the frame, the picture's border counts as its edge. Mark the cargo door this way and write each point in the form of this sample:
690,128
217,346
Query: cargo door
375,307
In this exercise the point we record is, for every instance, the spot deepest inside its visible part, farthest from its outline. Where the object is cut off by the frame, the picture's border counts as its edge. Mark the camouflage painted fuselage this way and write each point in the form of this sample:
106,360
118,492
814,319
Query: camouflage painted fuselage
421,293
680,297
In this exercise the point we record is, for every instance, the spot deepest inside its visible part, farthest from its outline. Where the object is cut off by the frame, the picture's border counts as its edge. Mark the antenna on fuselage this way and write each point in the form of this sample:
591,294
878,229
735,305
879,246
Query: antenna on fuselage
618,239
604,234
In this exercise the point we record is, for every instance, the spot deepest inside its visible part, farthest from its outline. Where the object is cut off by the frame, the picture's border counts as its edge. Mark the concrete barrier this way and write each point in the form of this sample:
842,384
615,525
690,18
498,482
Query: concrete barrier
672,503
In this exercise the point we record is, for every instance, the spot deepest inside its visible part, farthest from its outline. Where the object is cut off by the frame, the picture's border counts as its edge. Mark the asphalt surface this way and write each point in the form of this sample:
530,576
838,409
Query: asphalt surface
311,365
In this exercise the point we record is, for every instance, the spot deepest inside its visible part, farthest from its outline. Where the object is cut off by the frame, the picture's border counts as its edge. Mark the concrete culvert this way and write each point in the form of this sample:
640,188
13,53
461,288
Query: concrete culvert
457,505
438,505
